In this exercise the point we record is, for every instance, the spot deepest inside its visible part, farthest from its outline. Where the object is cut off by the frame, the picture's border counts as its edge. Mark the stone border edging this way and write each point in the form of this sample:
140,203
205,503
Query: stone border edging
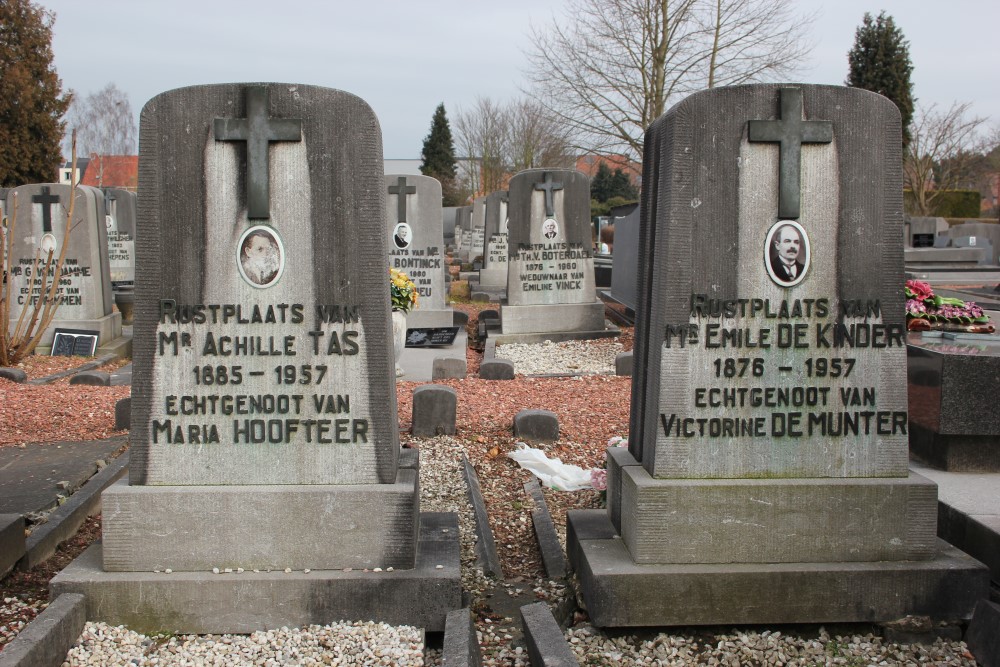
486,547
90,365
461,647
547,646
553,557
66,519
46,640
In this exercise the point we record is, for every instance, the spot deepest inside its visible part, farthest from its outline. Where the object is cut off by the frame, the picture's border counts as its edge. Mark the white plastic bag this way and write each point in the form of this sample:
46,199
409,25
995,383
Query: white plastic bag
553,473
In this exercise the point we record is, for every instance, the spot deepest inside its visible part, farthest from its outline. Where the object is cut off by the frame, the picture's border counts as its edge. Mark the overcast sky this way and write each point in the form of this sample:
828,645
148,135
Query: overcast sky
404,58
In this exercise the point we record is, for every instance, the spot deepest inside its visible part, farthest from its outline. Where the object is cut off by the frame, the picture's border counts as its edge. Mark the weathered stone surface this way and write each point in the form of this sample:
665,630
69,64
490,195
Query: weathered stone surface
434,410
329,216
551,549
45,641
445,368
11,541
203,602
620,593
321,527
13,374
777,520
625,260
459,318
536,426
546,644
461,646
496,369
983,636
976,534
624,363
617,459
486,549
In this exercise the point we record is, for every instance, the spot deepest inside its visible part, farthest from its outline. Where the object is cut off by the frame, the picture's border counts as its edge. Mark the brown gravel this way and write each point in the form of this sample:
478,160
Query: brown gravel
57,412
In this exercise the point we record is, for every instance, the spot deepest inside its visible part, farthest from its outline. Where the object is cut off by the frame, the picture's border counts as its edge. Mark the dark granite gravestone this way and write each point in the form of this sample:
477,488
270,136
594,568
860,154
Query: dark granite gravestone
767,463
85,284
493,276
120,211
625,260
550,275
416,244
923,231
954,424
264,432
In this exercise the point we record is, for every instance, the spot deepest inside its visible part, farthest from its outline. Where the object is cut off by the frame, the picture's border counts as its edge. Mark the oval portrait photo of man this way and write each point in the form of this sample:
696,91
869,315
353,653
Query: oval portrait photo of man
786,253
402,236
261,256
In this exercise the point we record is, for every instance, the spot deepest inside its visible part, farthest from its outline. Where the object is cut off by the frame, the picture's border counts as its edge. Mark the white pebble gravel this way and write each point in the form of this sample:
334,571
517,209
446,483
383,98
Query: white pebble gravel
362,643
578,357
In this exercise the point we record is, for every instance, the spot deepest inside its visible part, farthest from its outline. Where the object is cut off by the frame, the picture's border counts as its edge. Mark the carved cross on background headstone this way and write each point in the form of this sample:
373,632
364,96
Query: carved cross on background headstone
258,131
46,199
548,186
401,190
791,132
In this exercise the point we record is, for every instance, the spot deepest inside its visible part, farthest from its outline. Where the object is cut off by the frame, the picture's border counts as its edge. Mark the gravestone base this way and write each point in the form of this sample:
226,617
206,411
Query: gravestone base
956,453
620,593
207,603
197,528
776,520
493,278
551,318
430,318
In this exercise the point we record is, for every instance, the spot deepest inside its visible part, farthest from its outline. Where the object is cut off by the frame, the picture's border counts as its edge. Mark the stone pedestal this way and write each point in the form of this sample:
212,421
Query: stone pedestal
551,318
444,317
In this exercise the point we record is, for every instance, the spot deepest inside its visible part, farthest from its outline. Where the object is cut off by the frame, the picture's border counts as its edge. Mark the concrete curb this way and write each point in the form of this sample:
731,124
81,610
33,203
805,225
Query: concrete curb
90,365
982,637
461,647
553,557
46,640
486,547
12,542
66,519
546,644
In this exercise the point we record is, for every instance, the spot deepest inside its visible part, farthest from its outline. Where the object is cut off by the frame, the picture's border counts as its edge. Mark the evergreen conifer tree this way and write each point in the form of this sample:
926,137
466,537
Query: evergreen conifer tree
880,61
31,99
438,155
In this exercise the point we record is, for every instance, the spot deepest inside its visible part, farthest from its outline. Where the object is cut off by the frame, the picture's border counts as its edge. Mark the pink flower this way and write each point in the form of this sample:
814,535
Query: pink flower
919,290
599,479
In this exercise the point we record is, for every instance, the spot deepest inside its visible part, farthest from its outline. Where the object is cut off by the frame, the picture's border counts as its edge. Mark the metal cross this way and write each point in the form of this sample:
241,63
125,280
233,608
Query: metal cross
548,186
401,190
791,132
46,199
258,131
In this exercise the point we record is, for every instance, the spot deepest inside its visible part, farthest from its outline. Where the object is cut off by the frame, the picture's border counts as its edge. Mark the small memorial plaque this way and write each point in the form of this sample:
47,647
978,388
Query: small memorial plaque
74,342
431,336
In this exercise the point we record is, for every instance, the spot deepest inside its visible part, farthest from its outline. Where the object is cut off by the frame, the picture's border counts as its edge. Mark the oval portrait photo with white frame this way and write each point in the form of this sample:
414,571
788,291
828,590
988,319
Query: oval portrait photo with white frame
550,229
787,254
402,235
260,256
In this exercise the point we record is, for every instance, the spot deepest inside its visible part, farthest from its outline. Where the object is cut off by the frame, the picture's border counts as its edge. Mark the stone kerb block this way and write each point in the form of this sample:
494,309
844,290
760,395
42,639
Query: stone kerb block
446,368
13,374
93,378
496,369
123,413
461,646
434,409
624,362
85,284
12,542
547,645
46,640
983,635
416,244
536,426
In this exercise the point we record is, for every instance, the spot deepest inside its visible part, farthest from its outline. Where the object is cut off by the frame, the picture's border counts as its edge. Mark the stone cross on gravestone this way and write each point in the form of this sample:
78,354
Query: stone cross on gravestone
109,203
401,190
791,132
548,186
258,131
46,199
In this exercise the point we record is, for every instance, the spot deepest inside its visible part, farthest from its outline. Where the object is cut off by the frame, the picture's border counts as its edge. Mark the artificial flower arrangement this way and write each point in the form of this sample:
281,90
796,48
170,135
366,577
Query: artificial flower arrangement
926,310
403,290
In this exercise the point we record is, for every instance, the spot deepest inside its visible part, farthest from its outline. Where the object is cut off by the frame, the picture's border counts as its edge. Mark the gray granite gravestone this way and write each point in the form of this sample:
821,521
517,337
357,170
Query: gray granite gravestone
448,224
478,222
264,428
493,275
550,276
415,244
923,230
979,230
84,289
463,232
120,211
767,463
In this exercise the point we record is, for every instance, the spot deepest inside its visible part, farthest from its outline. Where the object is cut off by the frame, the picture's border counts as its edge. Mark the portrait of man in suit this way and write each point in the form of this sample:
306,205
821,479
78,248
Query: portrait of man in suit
787,253
261,258
402,235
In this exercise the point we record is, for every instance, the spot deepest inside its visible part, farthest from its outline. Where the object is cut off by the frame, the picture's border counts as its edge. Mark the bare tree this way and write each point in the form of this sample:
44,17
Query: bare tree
481,135
943,144
104,122
535,138
611,67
